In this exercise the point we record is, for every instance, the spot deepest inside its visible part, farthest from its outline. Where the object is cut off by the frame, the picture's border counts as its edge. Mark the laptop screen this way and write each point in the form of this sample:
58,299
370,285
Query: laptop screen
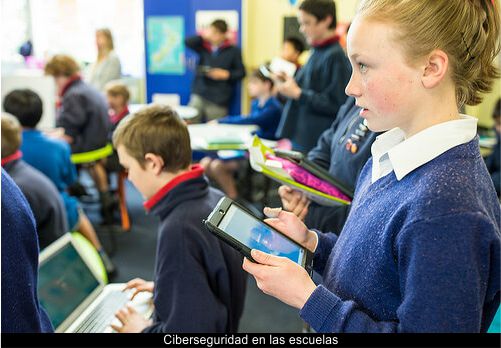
64,281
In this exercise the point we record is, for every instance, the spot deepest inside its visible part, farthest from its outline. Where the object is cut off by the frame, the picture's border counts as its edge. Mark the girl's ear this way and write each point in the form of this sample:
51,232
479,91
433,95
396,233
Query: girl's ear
154,163
435,70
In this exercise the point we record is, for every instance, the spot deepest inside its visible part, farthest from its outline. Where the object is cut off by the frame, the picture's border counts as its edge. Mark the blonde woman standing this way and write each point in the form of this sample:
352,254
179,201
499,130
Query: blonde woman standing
107,67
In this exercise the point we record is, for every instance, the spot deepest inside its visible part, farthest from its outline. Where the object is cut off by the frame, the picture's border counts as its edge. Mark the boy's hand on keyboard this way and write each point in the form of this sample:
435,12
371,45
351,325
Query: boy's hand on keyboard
131,321
139,285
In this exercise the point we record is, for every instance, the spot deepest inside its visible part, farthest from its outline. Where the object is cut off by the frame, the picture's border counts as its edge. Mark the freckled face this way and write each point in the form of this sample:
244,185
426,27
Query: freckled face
383,83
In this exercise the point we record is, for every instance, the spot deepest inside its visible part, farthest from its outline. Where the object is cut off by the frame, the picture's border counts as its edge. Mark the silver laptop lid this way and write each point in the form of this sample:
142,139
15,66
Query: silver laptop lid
66,283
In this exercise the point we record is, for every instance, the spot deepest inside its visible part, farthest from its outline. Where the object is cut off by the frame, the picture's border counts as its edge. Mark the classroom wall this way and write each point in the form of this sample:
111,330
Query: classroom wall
262,39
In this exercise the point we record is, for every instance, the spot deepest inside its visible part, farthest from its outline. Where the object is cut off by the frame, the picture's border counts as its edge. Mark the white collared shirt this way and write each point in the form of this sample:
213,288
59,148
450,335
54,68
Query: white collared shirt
392,152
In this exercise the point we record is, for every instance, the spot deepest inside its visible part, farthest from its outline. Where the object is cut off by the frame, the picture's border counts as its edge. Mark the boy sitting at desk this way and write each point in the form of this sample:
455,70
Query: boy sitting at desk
266,111
199,285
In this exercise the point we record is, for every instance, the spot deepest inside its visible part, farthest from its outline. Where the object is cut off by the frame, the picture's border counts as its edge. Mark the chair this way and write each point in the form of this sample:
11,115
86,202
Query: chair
92,156
124,214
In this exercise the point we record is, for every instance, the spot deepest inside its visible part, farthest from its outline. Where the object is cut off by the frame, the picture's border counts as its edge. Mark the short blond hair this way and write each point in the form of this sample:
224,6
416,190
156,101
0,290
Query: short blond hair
159,130
11,135
466,30
61,65
115,89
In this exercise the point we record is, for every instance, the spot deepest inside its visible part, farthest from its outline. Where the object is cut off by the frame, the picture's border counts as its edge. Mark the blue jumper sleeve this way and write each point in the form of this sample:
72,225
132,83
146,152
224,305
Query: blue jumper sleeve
443,263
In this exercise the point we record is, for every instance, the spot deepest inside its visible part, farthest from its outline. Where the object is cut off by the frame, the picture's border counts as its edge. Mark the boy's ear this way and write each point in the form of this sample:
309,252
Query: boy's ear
435,69
154,163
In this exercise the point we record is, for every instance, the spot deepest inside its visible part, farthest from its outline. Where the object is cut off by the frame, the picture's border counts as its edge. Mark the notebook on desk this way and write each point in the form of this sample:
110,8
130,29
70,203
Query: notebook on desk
75,297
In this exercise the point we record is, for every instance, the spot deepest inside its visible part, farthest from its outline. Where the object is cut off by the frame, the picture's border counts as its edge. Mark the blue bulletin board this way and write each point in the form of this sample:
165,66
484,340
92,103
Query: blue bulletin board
167,71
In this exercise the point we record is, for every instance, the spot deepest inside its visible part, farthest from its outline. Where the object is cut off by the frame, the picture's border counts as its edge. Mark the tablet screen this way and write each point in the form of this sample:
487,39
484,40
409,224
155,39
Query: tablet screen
256,235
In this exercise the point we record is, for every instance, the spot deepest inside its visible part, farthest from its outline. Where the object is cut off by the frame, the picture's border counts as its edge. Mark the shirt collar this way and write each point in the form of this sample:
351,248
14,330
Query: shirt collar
115,118
195,171
11,158
72,80
392,152
327,42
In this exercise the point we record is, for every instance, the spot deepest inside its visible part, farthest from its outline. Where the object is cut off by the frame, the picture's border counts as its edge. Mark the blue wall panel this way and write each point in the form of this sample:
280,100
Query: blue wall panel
181,84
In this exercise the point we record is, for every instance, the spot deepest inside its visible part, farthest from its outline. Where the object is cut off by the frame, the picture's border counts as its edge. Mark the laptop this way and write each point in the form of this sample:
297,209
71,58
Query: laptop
73,294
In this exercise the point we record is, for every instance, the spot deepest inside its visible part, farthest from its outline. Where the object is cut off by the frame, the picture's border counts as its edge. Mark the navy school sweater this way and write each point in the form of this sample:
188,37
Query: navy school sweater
417,255
322,80
199,282
44,200
332,154
21,310
84,116
227,57
266,117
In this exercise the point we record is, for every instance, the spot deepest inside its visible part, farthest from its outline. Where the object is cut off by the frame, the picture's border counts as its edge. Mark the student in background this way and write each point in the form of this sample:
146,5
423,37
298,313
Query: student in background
52,158
107,66
317,92
292,48
198,284
219,68
265,112
83,115
42,195
21,310
343,150
118,96
493,161
420,251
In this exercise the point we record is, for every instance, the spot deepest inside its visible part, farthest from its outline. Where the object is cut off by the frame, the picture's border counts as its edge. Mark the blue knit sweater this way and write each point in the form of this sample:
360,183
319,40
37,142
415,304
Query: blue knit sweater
417,255
21,310
266,117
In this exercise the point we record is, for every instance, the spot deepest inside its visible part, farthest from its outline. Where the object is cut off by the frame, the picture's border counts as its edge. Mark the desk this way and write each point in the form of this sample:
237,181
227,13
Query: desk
213,137
184,111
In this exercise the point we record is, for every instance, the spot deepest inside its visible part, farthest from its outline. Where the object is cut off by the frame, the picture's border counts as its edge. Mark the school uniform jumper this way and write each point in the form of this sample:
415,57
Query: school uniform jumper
344,162
199,281
53,158
266,117
227,57
322,81
84,116
420,251
43,198
21,310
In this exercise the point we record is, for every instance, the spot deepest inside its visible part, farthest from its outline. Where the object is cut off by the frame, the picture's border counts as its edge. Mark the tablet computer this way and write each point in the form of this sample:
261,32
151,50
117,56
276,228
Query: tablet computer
243,231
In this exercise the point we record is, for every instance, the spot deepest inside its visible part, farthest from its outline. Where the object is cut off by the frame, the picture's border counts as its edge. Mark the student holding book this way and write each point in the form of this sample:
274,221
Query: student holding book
316,93
420,251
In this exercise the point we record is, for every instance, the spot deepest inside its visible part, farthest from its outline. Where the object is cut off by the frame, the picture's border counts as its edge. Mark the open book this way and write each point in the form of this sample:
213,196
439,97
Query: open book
264,160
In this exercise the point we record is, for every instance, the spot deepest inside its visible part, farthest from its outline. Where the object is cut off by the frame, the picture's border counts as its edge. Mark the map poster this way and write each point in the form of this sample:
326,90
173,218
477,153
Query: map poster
165,42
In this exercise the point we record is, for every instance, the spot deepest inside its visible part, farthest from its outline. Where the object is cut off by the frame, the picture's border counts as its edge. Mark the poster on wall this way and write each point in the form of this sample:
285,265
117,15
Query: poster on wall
165,42
203,19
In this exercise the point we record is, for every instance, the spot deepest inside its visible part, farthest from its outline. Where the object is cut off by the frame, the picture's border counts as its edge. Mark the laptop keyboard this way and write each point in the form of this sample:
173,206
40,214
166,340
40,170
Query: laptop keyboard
103,314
